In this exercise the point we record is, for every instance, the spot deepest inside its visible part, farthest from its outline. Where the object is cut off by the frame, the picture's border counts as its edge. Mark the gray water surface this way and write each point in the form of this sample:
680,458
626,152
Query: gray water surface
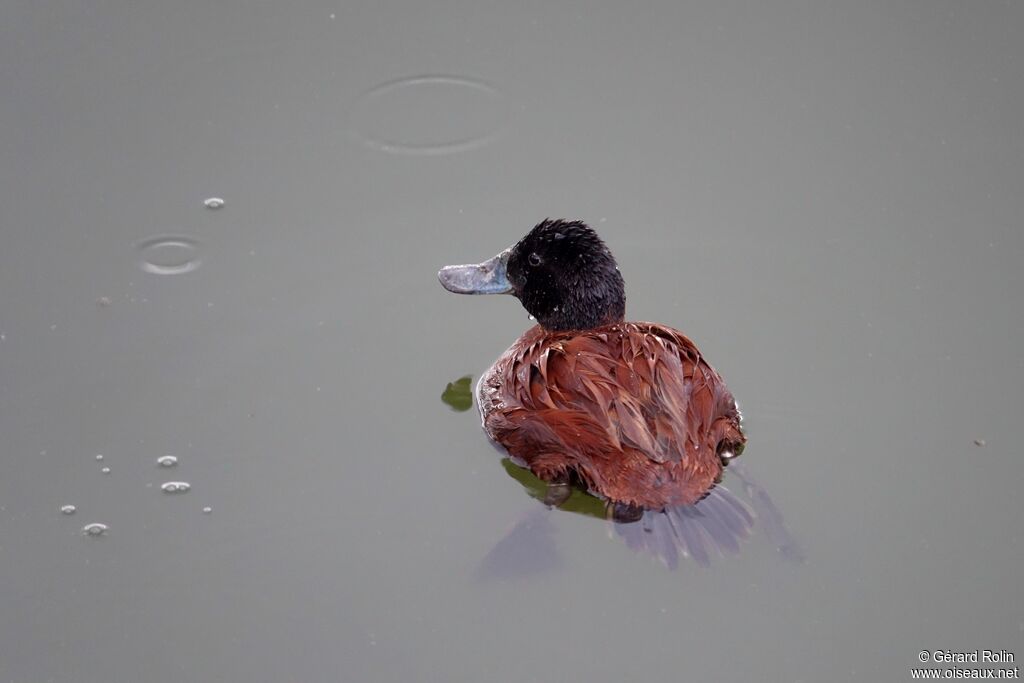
825,196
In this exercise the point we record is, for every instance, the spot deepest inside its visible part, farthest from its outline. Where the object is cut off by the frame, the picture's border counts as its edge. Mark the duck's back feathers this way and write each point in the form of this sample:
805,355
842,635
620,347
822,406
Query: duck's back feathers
631,408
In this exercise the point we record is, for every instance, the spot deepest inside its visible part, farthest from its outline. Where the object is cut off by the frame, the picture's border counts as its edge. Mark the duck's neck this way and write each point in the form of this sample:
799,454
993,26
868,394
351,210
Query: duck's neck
602,303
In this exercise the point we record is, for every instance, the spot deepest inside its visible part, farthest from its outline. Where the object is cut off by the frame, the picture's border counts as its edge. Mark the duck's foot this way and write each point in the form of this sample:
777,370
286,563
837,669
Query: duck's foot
558,492
624,513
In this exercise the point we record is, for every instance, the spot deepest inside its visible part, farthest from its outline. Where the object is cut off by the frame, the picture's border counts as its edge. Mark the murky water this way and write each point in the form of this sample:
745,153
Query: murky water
825,197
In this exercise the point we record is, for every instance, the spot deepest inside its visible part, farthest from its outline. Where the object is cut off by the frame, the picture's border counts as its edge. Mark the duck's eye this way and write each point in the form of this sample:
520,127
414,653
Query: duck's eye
534,259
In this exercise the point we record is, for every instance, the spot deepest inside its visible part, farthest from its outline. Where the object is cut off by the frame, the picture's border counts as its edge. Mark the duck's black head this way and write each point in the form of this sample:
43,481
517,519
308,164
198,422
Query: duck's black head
561,271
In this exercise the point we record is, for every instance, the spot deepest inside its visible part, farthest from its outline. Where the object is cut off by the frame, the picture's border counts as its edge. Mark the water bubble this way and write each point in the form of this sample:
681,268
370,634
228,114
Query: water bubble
429,114
99,456
213,203
207,510
175,487
95,529
979,442
105,470
167,460
169,254
103,301
68,509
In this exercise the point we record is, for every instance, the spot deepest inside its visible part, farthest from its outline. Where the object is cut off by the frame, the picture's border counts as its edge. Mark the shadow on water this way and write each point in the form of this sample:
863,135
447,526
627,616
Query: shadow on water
714,528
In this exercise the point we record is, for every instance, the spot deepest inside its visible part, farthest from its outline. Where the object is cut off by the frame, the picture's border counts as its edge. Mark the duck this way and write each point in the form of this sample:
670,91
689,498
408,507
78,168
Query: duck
631,412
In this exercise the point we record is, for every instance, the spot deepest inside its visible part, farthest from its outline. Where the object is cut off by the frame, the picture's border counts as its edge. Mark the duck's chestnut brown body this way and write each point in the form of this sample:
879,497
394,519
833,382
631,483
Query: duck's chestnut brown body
631,408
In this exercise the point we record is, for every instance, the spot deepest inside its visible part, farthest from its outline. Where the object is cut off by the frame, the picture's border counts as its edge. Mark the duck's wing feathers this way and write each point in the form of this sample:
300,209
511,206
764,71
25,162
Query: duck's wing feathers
645,386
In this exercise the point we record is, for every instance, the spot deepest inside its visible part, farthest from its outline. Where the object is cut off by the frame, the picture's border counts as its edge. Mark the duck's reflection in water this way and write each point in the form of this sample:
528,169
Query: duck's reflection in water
716,527
713,528
769,518
528,549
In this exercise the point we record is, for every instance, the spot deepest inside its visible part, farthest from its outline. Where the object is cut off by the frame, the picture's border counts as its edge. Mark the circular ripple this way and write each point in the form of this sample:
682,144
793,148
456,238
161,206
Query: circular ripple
169,254
431,114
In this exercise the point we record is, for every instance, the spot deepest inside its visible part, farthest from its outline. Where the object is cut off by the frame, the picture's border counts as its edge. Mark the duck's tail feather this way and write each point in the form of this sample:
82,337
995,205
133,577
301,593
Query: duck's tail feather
715,526
769,517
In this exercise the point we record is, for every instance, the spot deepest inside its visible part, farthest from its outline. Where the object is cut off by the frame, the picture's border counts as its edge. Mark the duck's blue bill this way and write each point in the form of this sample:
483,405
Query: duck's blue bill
489,277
